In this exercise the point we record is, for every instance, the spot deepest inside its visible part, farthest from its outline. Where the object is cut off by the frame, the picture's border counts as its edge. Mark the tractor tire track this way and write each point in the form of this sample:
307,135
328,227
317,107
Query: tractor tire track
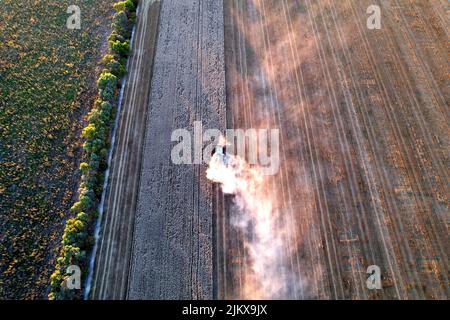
112,259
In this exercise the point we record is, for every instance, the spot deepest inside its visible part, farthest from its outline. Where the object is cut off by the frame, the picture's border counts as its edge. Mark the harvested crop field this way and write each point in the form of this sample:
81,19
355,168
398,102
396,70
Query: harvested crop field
157,236
112,262
47,86
363,179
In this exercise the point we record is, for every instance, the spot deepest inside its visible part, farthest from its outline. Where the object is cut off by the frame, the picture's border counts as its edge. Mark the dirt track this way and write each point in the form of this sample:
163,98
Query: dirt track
364,173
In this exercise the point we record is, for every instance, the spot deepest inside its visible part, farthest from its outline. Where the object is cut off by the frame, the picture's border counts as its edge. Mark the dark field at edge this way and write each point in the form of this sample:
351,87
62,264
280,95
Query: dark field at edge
47,86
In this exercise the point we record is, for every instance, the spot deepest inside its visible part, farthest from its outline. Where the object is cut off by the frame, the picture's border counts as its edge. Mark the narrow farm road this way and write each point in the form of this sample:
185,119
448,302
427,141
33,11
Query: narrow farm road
173,238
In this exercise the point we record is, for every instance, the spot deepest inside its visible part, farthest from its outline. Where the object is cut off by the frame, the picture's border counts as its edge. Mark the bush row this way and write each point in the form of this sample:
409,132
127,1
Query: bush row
78,240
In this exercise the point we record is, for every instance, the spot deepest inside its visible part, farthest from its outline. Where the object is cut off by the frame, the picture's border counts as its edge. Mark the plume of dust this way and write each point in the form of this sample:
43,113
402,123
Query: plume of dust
255,215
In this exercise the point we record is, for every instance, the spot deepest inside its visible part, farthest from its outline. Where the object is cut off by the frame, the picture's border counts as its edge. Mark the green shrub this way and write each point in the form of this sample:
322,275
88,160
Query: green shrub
107,58
115,64
115,37
119,47
117,68
77,207
94,117
87,202
93,146
90,132
106,106
75,233
84,168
